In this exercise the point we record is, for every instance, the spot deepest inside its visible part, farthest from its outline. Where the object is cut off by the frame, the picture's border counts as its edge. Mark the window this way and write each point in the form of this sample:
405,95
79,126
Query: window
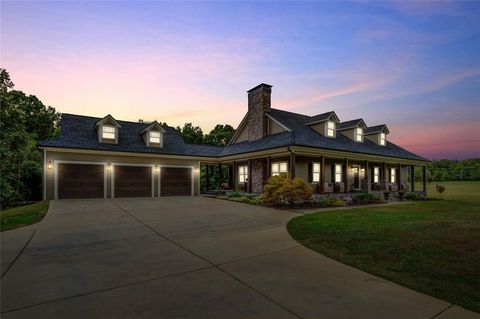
154,137
392,175
338,173
376,174
316,172
243,174
108,132
330,129
279,168
383,139
358,134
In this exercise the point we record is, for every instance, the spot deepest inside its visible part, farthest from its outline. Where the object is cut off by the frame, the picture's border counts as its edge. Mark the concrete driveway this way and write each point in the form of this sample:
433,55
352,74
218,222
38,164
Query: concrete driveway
186,257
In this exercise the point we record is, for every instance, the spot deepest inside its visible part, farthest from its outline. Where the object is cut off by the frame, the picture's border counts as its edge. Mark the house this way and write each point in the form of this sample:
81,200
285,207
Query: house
105,157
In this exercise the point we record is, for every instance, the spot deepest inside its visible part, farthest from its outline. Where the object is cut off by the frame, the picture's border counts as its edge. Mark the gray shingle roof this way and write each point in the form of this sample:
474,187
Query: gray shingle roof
349,124
78,132
375,129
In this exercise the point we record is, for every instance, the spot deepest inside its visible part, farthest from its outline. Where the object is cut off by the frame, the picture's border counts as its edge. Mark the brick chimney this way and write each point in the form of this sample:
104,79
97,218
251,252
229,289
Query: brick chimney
259,102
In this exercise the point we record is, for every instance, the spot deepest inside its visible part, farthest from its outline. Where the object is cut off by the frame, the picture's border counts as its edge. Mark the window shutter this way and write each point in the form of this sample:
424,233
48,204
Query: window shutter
310,172
332,173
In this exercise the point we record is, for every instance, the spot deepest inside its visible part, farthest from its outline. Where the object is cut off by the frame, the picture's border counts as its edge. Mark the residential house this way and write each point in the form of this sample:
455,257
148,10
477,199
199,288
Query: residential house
108,158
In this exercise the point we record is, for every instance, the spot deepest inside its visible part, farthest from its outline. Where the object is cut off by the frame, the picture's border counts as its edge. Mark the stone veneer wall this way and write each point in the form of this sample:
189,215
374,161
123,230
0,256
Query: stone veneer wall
259,169
258,103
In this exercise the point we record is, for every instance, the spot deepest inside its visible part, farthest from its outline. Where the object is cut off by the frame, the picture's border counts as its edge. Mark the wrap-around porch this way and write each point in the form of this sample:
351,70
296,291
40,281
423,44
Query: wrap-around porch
326,174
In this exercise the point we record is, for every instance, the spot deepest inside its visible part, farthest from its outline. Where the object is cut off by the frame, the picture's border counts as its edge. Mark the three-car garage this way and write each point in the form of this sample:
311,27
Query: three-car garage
118,180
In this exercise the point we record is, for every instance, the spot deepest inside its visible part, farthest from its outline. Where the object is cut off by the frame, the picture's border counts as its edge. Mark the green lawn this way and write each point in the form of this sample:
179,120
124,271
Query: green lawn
23,215
431,246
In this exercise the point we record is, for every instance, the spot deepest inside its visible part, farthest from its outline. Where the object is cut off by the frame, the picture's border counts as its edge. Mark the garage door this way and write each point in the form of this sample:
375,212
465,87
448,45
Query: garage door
80,181
176,181
133,181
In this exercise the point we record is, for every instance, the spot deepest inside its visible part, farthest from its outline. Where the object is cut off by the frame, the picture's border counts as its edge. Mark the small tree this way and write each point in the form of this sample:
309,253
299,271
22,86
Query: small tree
440,189
281,190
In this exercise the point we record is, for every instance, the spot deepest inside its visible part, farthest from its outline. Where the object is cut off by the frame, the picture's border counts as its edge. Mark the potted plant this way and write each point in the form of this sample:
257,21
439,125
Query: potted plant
386,194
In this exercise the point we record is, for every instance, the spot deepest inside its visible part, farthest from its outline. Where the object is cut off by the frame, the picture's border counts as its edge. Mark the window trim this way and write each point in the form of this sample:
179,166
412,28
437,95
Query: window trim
393,175
112,132
314,172
382,139
357,134
376,174
328,129
242,172
159,137
276,168
339,173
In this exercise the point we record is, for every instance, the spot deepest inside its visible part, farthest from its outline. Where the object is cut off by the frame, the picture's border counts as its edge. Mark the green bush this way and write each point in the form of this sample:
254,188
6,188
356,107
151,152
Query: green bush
281,190
331,202
366,198
234,195
413,196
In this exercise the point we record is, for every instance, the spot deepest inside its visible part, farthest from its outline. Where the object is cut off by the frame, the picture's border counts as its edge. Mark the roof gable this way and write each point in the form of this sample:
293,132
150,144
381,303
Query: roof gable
327,116
152,126
382,128
351,124
107,120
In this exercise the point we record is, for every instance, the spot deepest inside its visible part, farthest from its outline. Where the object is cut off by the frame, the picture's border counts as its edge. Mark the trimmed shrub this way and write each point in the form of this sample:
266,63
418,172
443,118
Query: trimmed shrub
400,195
386,195
331,202
413,196
281,190
366,198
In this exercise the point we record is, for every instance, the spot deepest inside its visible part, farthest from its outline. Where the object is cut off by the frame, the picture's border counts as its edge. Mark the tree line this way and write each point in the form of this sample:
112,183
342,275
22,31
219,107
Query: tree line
453,170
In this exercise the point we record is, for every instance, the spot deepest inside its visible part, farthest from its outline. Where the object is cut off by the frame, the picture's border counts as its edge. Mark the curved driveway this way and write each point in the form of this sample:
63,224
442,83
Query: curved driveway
186,257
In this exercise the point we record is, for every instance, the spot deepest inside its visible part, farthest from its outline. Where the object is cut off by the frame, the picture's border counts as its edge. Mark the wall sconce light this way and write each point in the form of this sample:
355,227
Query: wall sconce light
109,167
157,168
49,165
363,170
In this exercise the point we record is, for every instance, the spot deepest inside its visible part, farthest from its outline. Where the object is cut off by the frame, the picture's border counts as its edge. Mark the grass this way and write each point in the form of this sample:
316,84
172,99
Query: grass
23,215
431,246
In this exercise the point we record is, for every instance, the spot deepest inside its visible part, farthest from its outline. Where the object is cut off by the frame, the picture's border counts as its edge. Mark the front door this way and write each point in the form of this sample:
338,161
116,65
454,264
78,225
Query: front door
356,177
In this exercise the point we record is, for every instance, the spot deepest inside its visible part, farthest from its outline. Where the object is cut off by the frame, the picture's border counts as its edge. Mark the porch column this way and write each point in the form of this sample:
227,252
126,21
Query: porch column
367,177
345,176
249,183
399,177
269,168
424,173
220,176
234,176
322,174
384,177
230,176
206,178
412,176
292,165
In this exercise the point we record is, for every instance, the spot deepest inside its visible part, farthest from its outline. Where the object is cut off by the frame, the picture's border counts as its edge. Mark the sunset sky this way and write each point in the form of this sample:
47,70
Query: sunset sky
412,65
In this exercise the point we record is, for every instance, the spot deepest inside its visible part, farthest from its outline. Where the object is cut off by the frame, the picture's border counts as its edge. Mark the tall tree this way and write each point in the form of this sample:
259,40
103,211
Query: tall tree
191,134
220,135
23,121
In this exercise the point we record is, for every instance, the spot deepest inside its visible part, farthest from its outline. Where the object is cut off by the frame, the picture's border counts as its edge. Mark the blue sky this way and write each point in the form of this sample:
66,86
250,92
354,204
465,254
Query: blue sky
412,65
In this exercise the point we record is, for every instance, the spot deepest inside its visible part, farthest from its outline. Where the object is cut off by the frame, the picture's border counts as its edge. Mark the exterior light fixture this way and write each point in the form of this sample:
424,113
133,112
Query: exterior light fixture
109,167
49,165
157,168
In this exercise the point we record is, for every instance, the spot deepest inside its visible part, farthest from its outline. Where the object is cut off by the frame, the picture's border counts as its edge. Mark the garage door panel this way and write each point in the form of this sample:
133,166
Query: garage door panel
80,181
176,181
133,181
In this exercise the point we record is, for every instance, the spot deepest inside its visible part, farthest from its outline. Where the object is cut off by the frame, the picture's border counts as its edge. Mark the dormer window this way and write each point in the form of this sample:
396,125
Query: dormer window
153,134
154,137
108,132
383,139
359,134
330,129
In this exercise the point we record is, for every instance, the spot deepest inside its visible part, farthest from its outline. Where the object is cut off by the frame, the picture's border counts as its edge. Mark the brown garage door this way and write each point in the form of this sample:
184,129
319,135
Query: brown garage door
133,181
80,181
176,181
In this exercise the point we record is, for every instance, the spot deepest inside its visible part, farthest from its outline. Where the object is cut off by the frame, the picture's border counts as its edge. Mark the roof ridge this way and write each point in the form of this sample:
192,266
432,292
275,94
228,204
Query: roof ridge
289,112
